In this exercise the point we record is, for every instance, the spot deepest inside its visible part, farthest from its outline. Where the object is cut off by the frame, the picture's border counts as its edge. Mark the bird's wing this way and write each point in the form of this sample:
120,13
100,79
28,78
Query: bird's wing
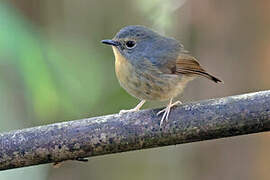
170,57
188,65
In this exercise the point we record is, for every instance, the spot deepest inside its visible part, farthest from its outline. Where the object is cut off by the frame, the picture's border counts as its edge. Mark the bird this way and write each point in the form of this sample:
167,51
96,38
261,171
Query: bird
153,67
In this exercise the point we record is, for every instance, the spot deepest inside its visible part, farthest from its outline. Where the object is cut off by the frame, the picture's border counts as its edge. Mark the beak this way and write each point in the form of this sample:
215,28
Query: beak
110,42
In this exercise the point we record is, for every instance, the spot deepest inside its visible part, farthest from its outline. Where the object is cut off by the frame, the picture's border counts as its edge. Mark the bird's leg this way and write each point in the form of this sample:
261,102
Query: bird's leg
166,111
137,108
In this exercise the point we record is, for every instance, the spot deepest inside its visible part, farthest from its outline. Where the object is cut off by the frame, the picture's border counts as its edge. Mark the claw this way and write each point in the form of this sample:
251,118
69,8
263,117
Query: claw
129,110
137,108
161,111
166,111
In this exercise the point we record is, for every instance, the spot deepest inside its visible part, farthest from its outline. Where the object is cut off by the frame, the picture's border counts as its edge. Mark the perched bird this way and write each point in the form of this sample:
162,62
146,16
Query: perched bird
152,67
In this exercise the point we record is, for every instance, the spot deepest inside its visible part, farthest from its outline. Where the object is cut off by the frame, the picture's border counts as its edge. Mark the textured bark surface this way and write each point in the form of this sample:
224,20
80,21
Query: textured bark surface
209,119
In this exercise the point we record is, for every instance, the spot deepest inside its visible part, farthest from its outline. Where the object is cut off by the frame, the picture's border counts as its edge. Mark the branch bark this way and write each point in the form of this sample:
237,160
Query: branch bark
197,121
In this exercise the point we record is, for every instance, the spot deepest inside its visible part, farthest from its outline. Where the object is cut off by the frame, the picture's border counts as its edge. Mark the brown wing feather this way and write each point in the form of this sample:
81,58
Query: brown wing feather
188,65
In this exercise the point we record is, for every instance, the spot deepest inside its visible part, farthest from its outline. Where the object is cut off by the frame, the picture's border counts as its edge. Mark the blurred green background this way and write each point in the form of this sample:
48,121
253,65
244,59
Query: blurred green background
53,68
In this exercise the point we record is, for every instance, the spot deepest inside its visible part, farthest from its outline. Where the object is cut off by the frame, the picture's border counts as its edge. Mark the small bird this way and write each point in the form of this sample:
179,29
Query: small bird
152,67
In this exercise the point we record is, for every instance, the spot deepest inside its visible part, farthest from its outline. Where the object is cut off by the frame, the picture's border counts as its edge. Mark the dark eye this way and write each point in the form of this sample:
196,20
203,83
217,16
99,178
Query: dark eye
130,44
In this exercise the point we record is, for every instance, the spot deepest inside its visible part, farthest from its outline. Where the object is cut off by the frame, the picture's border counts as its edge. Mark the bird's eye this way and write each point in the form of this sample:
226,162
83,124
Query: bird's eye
130,44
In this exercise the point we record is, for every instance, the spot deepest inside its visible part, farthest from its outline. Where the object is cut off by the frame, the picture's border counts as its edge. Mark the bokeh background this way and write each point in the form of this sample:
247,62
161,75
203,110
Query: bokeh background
53,68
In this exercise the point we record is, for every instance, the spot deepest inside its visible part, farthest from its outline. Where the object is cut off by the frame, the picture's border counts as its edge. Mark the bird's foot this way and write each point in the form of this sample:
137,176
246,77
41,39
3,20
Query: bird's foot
137,108
129,110
166,111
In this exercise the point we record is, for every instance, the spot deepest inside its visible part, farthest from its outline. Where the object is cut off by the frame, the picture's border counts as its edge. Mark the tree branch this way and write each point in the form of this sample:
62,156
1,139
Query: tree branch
209,119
